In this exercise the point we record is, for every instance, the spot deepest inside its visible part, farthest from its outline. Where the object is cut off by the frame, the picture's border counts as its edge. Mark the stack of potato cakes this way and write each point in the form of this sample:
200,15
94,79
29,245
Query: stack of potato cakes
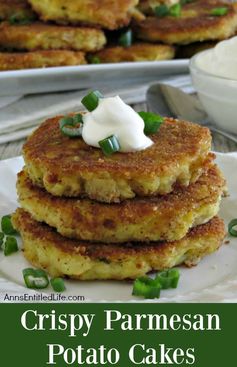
88,216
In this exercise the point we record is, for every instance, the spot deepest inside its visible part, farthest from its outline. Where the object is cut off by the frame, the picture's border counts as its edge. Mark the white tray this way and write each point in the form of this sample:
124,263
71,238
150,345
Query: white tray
29,81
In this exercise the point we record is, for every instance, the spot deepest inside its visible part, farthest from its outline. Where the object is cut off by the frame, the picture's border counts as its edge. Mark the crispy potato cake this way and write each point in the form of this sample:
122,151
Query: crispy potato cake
16,10
110,14
40,59
167,217
39,36
59,256
70,167
136,52
195,24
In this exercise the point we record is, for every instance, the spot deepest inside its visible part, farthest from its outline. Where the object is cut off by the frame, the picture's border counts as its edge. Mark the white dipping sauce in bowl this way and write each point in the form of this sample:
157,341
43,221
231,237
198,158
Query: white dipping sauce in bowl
214,74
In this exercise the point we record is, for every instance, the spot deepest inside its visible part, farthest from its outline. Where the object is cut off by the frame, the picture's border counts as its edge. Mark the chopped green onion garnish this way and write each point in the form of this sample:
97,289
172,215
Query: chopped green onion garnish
231,225
94,59
71,132
150,288
10,246
161,10
175,10
7,226
57,284
66,121
91,101
168,279
35,278
78,119
219,11
147,288
2,235
126,39
71,126
152,122
110,145
19,19
183,2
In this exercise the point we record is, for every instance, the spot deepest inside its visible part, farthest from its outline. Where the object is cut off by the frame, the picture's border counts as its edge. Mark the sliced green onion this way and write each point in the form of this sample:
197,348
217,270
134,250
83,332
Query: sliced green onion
35,278
7,226
183,2
10,246
72,132
57,284
94,59
71,126
66,121
152,122
150,288
231,225
175,10
147,288
19,19
125,39
78,119
91,101
168,279
219,11
161,10
110,145
2,235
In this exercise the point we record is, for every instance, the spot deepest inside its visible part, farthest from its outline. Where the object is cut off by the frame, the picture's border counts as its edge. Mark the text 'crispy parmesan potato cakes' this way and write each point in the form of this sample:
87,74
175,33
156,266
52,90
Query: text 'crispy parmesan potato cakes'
136,52
59,256
40,36
110,14
195,24
40,59
167,217
70,167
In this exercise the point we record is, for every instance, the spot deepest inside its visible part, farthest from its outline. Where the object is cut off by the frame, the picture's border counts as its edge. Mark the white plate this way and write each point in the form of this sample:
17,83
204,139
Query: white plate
85,76
213,280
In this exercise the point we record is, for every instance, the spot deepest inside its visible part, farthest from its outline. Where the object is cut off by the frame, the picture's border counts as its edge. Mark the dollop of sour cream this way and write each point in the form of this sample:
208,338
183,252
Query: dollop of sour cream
221,60
114,117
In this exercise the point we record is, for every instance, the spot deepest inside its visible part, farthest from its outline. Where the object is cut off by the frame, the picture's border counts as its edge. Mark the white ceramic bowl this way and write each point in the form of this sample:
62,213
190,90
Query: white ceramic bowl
217,94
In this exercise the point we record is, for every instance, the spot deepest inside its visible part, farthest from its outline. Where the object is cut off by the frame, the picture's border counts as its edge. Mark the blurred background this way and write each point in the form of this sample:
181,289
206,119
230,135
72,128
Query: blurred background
52,52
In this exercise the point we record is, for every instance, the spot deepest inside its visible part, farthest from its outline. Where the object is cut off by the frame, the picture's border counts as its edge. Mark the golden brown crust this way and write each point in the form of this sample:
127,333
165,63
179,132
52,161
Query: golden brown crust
194,25
136,52
40,59
167,217
17,8
46,249
70,167
110,14
40,36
